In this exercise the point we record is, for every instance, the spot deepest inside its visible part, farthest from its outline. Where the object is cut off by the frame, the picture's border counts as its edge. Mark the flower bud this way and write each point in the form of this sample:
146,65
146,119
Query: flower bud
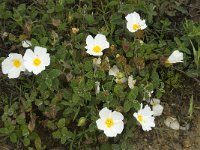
81,122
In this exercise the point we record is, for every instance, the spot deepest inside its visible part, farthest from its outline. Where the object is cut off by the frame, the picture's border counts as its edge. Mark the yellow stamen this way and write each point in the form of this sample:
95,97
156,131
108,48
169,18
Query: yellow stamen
17,63
140,118
36,62
136,26
109,122
97,49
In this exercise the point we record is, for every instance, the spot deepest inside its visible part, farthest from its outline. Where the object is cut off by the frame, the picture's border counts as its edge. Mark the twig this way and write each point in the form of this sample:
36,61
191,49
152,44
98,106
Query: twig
197,80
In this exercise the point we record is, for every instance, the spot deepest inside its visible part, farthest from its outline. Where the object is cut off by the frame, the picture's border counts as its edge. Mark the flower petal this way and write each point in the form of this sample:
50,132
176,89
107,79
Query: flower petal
100,124
40,51
117,116
119,127
14,73
110,132
105,112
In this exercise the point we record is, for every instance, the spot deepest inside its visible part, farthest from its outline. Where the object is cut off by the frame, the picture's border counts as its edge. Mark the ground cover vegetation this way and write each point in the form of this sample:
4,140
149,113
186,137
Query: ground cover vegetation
90,74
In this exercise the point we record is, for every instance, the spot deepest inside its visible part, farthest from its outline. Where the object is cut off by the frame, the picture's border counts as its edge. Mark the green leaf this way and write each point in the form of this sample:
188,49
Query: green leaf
61,123
38,144
127,106
105,147
13,138
108,86
4,131
89,85
90,19
25,131
34,42
26,141
54,73
43,41
56,134
90,74
88,66
136,105
48,82
132,95
63,139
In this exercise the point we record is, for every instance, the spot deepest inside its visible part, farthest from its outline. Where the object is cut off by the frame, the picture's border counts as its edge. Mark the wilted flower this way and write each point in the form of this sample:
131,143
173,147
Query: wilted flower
131,82
145,117
172,123
75,30
13,65
120,78
175,57
97,87
113,71
134,22
110,122
26,43
96,45
96,62
36,61
157,108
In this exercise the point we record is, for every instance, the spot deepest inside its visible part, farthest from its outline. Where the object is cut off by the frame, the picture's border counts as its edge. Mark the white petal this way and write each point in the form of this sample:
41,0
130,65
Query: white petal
119,127
28,65
129,26
113,71
110,132
117,116
40,51
39,69
175,57
155,101
6,65
46,60
13,73
101,41
26,43
146,111
105,112
157,110
133,17
100,124
29,55
146,127
93,53
143,24
90,42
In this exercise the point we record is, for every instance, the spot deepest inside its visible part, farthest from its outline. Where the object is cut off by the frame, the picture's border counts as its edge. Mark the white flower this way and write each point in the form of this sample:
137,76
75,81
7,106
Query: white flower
110,122
172,123
157,108
145,118
134,22
97,87
131,82
113,71
26,43
175,57
96,45
36,61
13,65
